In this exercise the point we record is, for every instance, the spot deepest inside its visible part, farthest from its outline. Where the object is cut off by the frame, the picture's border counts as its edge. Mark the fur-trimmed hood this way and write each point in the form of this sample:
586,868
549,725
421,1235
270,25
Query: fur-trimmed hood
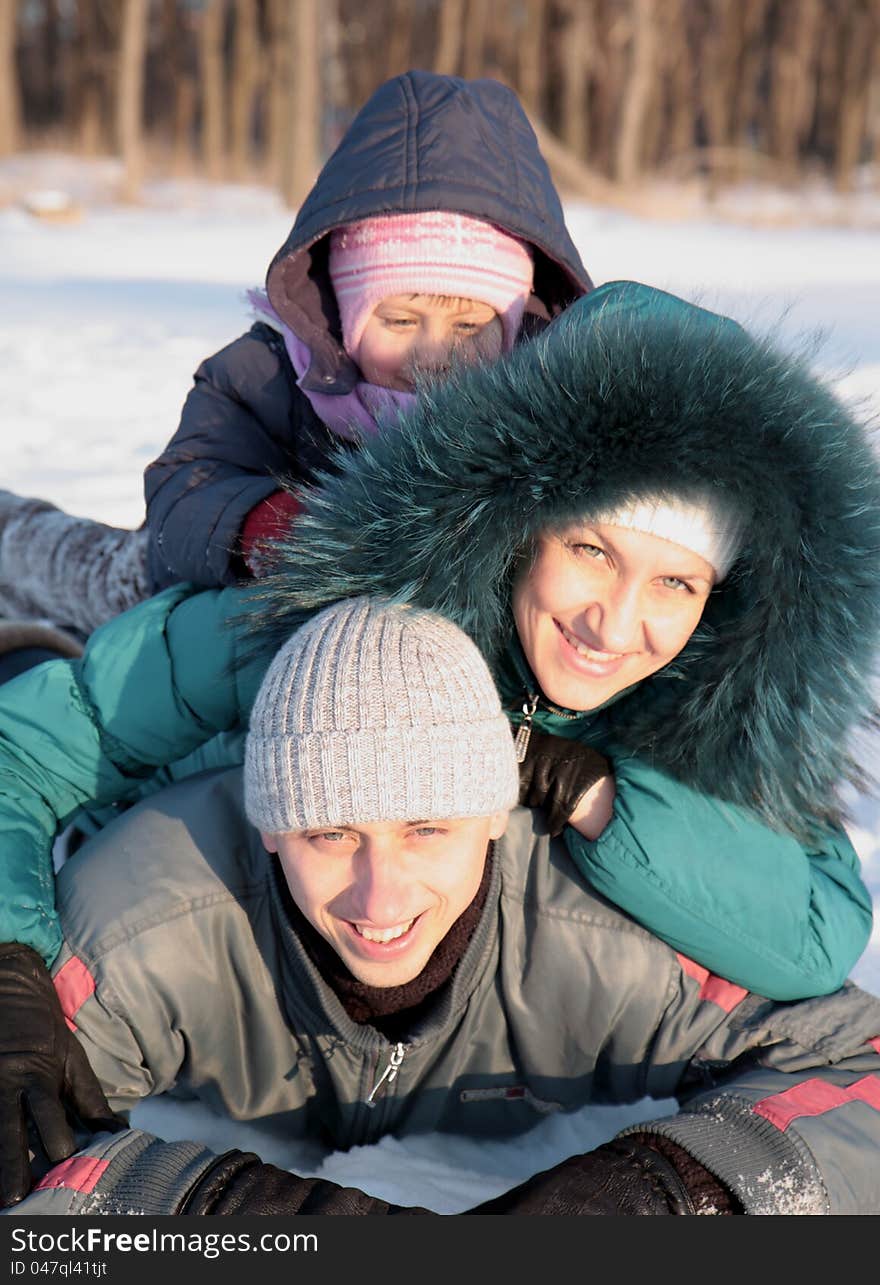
633,391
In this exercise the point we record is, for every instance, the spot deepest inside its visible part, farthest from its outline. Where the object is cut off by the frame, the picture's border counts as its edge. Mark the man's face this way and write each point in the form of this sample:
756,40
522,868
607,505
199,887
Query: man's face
385,894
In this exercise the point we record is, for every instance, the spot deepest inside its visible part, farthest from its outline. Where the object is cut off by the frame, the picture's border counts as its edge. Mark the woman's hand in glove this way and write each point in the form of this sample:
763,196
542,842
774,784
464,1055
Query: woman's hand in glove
570,782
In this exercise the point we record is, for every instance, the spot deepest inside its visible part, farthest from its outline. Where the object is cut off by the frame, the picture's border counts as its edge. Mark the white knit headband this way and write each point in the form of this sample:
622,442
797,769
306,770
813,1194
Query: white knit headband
701,526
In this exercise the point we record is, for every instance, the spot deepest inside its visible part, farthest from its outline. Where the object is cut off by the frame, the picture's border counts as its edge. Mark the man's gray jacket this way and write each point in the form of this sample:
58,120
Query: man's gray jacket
181,969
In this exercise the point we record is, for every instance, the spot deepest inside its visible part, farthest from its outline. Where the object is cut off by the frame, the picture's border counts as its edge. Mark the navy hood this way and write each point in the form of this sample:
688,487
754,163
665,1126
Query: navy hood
423,142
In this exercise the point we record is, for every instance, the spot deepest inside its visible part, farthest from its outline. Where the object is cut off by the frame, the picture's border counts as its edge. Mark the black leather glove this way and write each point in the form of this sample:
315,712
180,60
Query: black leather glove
620,1177
239,1183
555,775
42,1068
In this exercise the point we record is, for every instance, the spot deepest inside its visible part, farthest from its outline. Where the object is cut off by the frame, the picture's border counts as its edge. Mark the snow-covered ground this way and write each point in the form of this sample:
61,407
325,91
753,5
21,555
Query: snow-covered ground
104,319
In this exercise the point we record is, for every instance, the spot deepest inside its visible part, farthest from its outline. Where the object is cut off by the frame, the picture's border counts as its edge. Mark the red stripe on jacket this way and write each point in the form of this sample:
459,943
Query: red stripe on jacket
79,1173
74,984
815,1097
714,989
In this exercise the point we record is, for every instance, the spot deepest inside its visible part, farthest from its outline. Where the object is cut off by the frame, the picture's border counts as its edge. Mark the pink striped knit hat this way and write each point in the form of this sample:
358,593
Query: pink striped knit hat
434,253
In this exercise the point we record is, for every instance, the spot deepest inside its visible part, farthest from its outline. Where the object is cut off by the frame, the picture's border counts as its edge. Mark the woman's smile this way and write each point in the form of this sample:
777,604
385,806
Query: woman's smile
591,660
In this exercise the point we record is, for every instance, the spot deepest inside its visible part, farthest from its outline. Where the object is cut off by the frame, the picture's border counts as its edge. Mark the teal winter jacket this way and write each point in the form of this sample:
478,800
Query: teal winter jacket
726,838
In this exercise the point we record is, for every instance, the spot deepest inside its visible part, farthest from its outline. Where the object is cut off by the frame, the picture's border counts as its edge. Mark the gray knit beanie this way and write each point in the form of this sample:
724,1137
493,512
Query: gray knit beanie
376,712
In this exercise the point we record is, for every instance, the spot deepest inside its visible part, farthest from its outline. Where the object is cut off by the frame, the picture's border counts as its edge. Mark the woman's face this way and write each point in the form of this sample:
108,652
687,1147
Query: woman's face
601,607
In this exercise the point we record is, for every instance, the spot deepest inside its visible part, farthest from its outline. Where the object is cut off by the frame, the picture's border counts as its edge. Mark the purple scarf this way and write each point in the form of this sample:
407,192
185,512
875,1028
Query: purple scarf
351,415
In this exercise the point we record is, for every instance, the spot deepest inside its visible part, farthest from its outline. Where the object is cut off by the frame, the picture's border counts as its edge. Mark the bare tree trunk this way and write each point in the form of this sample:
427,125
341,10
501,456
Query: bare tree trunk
793,83
164,70
52,62
39,32
638,89
90,131
475,37
744,117
502,40
574,43
531,56
658,140
88,58
828,88
244,86
336,70
130,96
874,115
682,89
178,84
10,107
302,150
612,40
450,22
183,124
399,38
859,35
279,79
212,85
355,42
720,42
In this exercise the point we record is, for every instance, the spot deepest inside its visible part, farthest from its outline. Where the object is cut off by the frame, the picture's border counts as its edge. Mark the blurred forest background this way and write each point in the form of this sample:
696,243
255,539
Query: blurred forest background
619,91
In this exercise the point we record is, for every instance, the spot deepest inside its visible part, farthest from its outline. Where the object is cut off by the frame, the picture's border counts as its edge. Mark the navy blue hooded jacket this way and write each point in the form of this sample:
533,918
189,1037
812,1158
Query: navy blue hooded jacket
421,142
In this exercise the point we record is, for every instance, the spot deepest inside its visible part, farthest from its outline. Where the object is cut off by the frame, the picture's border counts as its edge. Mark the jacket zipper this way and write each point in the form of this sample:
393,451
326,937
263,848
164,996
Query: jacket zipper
524,731
389,1075
529,708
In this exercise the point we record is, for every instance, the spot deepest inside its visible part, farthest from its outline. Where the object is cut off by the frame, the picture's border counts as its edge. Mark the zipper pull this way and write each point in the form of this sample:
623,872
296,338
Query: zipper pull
524,731
390,1073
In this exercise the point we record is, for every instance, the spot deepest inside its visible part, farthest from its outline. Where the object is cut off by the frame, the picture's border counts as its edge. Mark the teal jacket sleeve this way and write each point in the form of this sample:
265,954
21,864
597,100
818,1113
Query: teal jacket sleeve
748,903
152,686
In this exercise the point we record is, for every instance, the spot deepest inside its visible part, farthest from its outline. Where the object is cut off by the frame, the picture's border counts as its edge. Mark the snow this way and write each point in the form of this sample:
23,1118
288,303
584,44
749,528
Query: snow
120,304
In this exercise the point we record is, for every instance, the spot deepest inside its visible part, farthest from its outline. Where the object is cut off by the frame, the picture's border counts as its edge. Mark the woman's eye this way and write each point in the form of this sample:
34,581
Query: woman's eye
400,323
330,836
468,327
426,831
673,582
589,550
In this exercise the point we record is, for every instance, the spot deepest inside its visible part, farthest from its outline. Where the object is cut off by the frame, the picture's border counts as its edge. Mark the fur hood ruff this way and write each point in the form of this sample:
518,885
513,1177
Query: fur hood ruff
632,391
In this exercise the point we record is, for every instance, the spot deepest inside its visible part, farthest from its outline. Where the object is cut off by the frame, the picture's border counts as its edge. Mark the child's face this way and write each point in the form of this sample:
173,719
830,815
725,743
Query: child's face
409,333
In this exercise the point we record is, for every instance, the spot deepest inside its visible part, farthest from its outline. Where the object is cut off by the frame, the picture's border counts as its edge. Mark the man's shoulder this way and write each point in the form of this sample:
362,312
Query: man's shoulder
538,870
577,942
186,850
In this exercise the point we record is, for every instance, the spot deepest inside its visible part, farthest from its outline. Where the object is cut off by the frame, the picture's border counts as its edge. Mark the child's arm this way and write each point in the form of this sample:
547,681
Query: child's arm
239,433
755,906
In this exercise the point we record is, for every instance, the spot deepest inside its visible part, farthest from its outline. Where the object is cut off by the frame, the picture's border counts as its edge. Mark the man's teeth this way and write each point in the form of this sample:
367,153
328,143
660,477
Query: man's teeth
384,934
583,650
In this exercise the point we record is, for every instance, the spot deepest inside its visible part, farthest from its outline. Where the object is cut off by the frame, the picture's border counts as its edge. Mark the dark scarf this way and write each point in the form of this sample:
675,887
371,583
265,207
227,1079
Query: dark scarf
393,1010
